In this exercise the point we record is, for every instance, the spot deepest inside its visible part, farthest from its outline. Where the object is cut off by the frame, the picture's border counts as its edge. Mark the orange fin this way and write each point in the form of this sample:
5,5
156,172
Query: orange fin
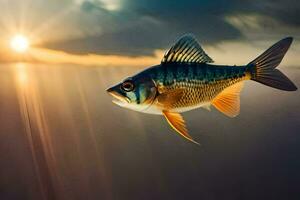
177,122
228,101
168,99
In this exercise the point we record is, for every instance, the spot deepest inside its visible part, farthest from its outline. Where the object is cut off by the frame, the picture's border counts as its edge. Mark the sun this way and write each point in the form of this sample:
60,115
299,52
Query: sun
19,43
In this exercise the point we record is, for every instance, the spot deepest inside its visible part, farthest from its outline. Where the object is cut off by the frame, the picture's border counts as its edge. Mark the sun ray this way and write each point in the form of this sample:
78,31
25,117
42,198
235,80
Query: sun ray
48,25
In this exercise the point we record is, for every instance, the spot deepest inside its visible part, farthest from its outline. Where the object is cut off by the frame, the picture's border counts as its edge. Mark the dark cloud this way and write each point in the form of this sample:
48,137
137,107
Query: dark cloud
141,26
285,11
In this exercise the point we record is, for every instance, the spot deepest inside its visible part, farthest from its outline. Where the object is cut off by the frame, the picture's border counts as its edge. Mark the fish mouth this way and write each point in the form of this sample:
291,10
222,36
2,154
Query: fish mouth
118,98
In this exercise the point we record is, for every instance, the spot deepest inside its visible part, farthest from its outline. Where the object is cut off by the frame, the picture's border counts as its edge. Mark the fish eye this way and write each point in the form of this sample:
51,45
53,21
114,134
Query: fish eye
127,86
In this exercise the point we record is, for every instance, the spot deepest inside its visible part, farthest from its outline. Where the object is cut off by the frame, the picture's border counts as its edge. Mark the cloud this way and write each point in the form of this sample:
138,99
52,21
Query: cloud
140,27
224,53
60,57
262,28
143,26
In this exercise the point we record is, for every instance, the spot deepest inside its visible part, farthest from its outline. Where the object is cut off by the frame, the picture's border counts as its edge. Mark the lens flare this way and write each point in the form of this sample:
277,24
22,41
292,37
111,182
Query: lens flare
19,43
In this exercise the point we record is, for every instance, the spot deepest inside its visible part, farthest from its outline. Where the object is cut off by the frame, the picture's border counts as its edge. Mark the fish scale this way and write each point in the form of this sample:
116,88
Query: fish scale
200,83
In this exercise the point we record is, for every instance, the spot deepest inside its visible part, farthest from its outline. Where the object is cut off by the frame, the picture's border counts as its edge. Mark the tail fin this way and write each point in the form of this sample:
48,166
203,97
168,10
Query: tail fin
264,66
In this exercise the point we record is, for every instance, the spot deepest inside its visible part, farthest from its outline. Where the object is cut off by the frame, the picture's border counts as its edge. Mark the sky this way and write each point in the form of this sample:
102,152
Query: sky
141,28
61,137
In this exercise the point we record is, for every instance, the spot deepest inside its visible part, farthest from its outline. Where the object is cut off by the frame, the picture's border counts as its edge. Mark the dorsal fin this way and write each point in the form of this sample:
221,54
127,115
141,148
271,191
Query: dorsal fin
228,101
186,50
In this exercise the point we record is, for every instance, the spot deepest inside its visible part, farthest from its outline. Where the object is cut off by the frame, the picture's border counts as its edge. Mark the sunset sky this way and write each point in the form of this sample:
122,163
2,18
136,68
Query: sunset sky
61,137
89,31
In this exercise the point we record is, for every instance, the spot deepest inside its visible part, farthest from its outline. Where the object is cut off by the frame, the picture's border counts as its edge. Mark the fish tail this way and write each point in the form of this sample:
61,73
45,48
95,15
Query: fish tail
263,68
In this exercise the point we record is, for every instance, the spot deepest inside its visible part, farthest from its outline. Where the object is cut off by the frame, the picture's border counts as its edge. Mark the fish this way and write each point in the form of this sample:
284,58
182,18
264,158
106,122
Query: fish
187,79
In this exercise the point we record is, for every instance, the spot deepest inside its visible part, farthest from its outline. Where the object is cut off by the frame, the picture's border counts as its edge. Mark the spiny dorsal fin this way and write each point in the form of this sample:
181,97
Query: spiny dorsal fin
186,50
177,122
228,101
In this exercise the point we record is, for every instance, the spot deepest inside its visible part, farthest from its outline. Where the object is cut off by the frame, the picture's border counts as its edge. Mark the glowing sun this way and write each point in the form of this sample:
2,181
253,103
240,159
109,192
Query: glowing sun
19,43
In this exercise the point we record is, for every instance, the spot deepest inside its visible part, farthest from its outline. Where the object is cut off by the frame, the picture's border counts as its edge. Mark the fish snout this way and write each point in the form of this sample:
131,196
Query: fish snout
118,97
109,90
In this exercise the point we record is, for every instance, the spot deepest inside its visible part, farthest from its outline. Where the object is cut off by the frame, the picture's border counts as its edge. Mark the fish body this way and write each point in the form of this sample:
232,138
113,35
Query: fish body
199,83
186,80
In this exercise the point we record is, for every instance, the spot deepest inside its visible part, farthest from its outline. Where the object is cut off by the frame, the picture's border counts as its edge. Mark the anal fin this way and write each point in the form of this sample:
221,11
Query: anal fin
177,122
228,101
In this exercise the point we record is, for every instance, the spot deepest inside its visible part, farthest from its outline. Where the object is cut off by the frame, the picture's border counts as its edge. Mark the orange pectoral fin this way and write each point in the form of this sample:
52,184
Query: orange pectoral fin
168,99
228,101
177,122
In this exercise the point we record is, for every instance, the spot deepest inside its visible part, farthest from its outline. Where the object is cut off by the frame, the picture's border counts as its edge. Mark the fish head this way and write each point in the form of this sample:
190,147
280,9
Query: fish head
135,93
